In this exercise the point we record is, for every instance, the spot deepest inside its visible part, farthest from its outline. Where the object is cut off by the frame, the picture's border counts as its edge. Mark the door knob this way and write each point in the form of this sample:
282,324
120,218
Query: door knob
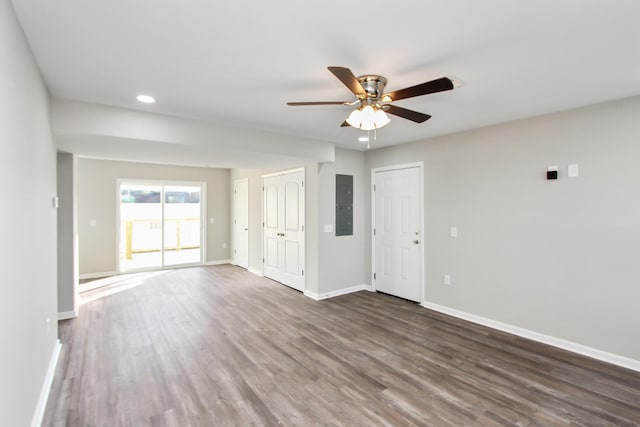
246,229
415,242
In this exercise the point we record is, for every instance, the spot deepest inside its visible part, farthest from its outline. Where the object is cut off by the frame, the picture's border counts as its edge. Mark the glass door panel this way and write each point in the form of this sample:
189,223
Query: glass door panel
182,225
160,225
140,226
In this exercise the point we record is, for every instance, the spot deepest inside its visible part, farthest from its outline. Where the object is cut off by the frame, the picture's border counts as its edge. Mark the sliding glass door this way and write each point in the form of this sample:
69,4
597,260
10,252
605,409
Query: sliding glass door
182,225
160,224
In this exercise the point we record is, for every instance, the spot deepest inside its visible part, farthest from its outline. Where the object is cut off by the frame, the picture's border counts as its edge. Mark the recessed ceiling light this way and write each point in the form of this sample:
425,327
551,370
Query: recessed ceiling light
146,99
363,139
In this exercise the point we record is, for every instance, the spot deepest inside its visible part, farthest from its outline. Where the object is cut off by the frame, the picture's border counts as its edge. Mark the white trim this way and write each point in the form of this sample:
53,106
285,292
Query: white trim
398,167
421,204
255,271
283,172
312,295
337,292
584,350
64,315
97,275
38,414
219,262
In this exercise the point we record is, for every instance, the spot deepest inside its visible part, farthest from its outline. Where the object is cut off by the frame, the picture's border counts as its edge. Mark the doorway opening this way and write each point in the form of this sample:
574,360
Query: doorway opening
160,224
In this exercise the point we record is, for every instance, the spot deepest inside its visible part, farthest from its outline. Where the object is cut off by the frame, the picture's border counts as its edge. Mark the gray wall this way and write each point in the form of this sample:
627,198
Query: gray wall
28,250
312,235
556,257
97,201
67,234
343,259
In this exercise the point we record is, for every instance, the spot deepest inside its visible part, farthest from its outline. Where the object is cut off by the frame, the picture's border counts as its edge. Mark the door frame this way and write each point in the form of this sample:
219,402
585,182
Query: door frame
163,183
239,181
304,179
420,166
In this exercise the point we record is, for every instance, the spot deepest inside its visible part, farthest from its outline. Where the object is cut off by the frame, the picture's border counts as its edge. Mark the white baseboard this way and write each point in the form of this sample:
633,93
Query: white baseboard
97,275
591,352
38,415
255,271
219,262
67,315
312,295
337,292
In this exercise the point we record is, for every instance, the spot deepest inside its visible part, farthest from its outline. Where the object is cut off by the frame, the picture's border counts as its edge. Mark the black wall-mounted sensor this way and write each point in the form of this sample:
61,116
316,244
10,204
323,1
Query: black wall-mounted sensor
552,174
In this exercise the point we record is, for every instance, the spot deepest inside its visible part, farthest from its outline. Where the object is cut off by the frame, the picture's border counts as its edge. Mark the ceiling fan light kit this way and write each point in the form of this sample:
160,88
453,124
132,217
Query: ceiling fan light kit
368,118
374,104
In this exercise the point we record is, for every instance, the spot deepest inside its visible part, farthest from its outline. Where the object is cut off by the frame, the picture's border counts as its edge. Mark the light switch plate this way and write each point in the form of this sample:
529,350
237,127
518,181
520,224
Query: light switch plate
454,231
328,228
573,171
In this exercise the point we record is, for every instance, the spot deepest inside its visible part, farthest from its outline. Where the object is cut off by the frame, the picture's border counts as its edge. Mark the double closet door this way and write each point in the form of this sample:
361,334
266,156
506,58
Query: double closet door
284,238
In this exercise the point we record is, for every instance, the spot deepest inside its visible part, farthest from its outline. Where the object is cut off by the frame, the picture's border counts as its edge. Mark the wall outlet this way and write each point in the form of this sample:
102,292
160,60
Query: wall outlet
224,245
447,279
93,223
454,231
211,220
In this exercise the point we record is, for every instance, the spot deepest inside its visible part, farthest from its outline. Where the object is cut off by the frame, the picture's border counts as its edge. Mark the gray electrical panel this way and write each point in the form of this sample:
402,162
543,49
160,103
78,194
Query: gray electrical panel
344,205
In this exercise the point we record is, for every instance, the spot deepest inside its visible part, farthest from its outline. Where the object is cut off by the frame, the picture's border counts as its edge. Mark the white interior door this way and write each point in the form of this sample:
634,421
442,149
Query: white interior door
284,228
398,239
241,223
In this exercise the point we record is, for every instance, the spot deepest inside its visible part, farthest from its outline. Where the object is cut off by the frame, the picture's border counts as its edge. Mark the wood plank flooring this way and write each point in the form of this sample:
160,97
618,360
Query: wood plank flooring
218,346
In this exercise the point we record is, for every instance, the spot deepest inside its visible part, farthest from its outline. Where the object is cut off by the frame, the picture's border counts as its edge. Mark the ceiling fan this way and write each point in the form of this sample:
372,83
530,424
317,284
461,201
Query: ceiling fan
372,103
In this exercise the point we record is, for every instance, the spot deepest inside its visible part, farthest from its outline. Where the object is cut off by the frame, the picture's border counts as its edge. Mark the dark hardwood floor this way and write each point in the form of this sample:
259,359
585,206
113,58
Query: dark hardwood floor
218,346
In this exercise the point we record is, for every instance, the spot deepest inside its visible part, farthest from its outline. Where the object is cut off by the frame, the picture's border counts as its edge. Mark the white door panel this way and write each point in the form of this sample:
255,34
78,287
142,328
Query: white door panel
398,237
284,228
241,223
272,258
272,262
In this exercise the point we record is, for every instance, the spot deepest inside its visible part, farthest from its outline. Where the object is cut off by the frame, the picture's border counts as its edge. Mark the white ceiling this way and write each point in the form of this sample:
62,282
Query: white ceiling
241,61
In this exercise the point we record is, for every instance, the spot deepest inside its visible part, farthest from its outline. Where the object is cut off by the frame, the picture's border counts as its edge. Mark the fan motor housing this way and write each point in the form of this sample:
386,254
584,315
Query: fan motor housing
374,85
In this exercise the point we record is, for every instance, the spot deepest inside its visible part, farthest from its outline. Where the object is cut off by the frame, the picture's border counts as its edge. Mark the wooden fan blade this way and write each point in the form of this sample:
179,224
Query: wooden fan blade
438,85
297,104
346,76
345,124
414,116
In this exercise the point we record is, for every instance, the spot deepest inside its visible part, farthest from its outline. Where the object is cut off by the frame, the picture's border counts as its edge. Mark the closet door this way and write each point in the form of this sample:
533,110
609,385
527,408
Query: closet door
272,219
284,240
